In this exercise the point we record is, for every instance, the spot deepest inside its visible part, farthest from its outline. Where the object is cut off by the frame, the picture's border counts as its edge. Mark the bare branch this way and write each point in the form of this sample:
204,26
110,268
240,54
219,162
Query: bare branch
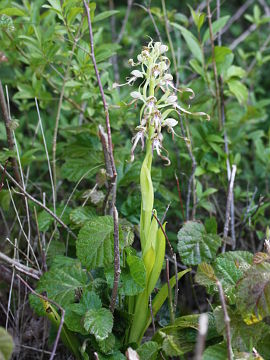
203,327
226,320
20,267
228,207
30,197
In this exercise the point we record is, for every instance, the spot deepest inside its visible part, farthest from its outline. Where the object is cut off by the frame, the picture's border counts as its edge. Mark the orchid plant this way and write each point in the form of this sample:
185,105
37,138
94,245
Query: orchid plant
158,96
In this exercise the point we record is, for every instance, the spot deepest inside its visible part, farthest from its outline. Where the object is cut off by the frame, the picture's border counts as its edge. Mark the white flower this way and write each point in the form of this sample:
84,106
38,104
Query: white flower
136,95
170,122
138,137
157,119
171,99
137,73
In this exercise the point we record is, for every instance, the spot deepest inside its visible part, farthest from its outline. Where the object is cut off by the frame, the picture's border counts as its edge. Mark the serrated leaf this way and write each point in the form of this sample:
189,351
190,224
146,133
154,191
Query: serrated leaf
95,243
253,292
6,345
216,26
195,245
81,215
99,323
61,284
148,350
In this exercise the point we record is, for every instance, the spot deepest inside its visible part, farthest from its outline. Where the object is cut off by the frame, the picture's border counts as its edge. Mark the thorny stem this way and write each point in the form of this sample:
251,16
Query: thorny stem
110,151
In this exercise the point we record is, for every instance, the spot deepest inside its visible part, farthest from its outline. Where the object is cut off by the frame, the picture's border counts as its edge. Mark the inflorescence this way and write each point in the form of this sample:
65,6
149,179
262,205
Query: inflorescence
155,111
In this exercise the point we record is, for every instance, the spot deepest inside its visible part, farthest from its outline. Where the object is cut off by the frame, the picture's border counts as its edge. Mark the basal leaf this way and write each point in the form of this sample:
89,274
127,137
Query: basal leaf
95,242
195,245
99,323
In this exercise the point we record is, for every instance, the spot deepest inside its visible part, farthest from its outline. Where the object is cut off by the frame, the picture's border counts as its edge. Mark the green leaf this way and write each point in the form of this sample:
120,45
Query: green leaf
99,323
172,346
132,278
105,15
217,352
6,344
216,27
75,312
148,350
95,242
205,276
137,270
235,71
196,66
224,58
12,12
191,41
195,245
62,283
162,295
253,293
242,335
81,215
239,90
107,345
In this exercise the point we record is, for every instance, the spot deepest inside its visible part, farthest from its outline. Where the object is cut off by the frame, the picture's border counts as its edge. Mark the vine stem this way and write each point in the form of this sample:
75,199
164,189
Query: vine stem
113,179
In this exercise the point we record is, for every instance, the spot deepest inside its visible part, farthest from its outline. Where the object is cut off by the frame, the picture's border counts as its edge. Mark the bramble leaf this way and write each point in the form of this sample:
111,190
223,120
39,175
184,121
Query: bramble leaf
99,323
195,245
95,242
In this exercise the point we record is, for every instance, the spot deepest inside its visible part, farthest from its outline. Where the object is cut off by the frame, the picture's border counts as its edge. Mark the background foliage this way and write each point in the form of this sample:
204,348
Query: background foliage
56,109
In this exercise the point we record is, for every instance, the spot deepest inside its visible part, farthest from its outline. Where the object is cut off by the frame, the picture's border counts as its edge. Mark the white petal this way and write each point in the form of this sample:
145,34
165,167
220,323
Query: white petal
136,73
136,95
171,99
170,122
163,49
